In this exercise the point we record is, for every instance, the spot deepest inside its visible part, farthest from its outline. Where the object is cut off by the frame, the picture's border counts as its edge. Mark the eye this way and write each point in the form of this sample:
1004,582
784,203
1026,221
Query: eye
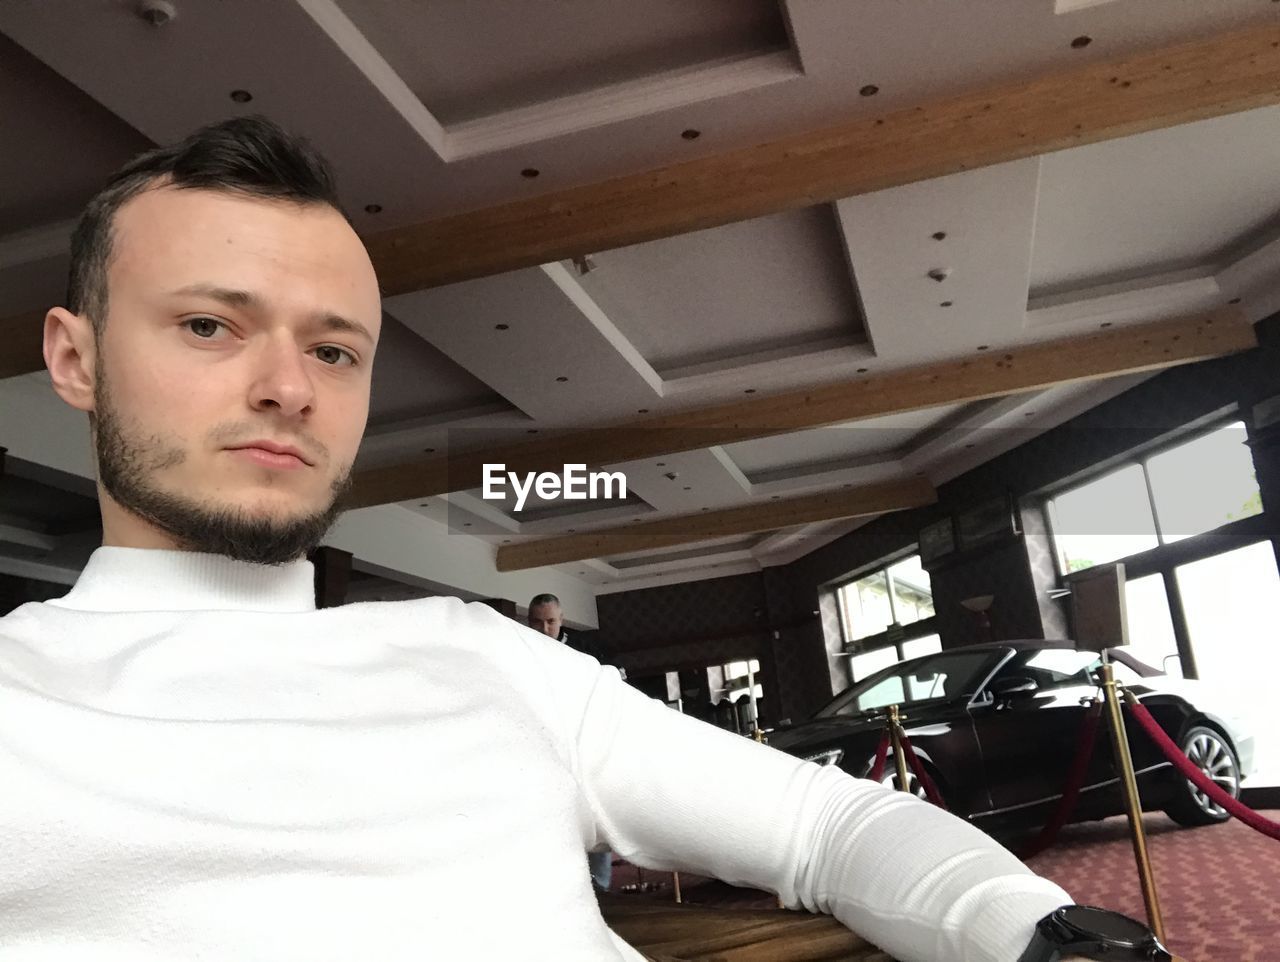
335,356
204,328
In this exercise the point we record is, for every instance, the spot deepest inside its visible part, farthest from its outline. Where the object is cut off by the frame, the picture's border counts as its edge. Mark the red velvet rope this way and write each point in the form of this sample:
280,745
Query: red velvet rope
1202,781
882,752
1071,788
930,789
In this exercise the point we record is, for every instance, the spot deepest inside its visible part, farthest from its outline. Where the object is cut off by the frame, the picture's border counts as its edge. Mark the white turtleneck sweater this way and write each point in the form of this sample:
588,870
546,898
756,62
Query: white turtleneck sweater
195,763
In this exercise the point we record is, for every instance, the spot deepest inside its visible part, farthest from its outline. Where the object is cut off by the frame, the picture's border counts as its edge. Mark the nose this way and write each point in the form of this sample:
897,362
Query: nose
281,380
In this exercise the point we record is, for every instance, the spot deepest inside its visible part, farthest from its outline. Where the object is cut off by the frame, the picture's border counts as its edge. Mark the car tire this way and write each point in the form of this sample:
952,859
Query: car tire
914,785
1211,752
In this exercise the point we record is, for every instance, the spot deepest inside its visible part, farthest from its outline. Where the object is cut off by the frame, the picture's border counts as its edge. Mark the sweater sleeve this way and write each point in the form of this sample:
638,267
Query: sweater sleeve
670,792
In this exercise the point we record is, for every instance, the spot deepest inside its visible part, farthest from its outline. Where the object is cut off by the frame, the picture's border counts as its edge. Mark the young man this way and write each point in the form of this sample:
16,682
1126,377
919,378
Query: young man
198,764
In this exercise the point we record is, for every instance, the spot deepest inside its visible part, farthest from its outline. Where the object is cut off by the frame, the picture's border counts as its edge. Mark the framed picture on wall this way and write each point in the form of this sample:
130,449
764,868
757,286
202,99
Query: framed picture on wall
986,523
937,540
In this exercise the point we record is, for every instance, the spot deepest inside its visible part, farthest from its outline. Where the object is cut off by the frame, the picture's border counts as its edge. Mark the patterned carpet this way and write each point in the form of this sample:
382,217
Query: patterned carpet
1219,886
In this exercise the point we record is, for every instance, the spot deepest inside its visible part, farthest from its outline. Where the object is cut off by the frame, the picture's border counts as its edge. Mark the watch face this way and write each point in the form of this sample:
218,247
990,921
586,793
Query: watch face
1111,926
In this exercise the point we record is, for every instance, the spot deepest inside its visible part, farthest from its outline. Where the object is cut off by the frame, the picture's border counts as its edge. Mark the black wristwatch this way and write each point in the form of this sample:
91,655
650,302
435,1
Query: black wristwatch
1095,934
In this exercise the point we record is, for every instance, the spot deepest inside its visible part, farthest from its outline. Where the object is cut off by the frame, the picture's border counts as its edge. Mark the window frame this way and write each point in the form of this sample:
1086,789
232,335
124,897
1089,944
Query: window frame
896,633
1167,556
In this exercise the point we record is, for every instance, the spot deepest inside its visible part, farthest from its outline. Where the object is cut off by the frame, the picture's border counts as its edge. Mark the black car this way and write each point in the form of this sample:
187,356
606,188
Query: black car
997,726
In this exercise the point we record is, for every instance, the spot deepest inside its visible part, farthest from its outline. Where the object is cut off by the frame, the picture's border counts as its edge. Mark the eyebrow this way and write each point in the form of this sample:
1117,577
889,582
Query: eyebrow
248,300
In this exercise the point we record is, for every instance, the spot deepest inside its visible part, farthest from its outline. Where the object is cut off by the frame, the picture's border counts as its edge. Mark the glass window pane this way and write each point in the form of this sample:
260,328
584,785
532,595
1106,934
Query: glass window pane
1104,520
918,647
1232,604
912,591
865,604
1150,625
868,663
1204,483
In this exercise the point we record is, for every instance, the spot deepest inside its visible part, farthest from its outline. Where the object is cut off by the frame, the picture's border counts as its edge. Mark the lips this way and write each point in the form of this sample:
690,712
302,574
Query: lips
281,451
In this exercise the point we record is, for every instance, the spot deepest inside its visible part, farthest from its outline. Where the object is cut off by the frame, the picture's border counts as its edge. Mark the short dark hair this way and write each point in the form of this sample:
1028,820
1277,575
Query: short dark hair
244,155
544,599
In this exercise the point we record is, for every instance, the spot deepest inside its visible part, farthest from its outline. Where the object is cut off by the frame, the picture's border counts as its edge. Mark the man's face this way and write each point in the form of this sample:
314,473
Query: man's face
232,374
546,618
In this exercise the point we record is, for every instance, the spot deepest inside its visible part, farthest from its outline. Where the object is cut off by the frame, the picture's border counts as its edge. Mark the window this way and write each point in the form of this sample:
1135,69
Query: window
898,594
1203,484
1150,625
1183,491
1104,520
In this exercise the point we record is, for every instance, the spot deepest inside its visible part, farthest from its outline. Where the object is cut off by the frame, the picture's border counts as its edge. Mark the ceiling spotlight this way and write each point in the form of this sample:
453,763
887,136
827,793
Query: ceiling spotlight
241,96
156,12
584,264
939,274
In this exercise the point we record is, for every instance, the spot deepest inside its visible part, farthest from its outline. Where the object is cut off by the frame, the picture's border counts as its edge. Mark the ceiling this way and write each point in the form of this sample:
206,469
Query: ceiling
430,110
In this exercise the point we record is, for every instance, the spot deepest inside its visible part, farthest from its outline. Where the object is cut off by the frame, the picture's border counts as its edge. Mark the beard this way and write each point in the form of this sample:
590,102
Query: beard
128,461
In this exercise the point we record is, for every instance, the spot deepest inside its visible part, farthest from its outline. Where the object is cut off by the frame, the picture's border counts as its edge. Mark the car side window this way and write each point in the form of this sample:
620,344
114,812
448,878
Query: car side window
1057,667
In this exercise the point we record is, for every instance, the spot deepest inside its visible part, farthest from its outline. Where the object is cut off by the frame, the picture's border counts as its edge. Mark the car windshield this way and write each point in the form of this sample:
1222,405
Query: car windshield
949,674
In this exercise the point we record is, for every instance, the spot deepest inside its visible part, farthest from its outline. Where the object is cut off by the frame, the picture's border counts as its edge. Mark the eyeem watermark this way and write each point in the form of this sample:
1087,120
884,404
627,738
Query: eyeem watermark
575,484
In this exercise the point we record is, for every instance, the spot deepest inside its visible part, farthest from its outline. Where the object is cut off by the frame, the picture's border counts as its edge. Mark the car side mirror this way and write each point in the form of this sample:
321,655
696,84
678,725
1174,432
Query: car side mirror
1004,688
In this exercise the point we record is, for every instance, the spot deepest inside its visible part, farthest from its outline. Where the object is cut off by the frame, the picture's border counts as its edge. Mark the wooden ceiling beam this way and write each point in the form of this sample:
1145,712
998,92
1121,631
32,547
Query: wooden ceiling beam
1209,77
986,374
859,502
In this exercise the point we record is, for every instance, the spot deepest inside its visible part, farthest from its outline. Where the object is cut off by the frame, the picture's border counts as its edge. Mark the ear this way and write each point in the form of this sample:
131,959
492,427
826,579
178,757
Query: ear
70,354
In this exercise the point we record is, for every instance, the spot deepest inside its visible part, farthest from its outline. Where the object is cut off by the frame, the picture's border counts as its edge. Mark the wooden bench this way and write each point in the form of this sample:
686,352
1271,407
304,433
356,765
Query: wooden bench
687,933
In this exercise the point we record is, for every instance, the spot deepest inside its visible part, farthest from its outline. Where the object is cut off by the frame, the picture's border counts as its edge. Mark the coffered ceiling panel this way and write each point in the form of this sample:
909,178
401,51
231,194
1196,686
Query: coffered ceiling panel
471,58
706,299
878,438
1160,201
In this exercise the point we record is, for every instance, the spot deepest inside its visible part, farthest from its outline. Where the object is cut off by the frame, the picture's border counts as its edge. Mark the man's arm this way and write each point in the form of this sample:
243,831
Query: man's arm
670,792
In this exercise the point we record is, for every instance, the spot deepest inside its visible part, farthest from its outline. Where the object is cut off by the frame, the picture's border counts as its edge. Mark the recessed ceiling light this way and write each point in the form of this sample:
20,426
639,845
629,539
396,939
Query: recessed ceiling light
940,235
1105,324
862,370
531,431
373,208
241,96
1079,43
690,134
687,488
642,411
501,327
530,172
774,497
945,304
1236,300
982,347
869,90
428,450
749,390
660,464
562,379
466,524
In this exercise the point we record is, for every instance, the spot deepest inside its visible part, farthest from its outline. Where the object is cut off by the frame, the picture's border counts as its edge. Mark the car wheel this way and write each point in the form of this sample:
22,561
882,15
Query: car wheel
914,785
1211,752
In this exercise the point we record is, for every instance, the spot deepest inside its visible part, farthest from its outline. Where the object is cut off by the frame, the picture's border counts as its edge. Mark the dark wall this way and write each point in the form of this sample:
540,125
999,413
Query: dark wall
785,600
16,591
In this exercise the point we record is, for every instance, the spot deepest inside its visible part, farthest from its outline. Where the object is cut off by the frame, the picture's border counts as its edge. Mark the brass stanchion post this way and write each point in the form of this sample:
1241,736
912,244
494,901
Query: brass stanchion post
675,881
1133,806
899,756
